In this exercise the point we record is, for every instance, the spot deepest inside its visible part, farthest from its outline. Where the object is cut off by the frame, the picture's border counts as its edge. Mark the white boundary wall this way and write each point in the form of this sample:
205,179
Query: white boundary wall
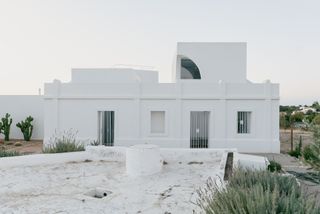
20,107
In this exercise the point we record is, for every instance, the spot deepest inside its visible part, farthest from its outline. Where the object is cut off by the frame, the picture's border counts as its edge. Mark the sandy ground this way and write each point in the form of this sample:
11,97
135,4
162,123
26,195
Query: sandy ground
285,139
24,147
62,188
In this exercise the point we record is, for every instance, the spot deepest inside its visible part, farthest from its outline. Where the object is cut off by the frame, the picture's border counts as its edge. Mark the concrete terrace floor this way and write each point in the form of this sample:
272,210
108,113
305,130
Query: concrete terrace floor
62,188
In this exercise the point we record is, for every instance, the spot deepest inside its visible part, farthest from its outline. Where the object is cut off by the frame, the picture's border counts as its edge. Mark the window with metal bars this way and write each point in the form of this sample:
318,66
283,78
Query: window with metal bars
244,122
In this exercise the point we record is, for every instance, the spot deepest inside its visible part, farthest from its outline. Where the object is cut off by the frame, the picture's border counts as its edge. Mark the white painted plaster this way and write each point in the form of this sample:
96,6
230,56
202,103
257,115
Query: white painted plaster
143,159
68,180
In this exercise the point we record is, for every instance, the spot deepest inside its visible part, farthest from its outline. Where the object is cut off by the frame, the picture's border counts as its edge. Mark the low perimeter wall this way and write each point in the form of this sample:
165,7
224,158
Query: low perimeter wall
20,107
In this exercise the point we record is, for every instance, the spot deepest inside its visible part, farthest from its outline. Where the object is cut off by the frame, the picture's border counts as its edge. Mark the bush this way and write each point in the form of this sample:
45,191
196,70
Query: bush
316,120
312,152
4,153
297,151
64,147
256,192
274,166
65,142
95,143
26,128
308,153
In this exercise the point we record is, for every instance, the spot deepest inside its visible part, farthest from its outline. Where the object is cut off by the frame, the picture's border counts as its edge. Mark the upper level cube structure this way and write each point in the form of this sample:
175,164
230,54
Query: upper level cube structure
211,62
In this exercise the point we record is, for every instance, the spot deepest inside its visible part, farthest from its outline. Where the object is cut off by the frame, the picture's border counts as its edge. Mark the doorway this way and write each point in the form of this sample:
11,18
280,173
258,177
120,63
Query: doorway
199,129
106,127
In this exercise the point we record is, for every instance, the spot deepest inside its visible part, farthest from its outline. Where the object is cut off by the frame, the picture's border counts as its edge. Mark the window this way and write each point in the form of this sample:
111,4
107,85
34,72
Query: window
189,70
244,122
157,122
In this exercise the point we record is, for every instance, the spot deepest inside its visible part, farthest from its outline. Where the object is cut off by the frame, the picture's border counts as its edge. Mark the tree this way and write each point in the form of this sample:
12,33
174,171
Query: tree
296,117
310,117
284,120
288,109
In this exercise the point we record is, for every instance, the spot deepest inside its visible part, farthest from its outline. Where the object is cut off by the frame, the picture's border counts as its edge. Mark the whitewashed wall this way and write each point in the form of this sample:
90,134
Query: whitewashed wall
21,106
132,94
215,60
76,106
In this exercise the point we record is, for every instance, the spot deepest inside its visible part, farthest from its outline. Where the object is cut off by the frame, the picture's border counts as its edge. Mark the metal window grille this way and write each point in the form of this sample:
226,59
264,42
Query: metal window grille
106,127
199,129
244,122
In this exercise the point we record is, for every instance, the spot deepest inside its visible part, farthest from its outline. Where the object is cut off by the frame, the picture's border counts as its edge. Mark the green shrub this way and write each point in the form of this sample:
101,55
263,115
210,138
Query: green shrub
255,192
294,153
5,124
26,128
312,152
274,166
297,151
64,147
308,153
4,153
95,143
65,142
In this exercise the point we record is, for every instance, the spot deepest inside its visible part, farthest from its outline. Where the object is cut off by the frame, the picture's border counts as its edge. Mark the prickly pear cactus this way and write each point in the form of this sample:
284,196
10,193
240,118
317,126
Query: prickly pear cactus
5,124
26,128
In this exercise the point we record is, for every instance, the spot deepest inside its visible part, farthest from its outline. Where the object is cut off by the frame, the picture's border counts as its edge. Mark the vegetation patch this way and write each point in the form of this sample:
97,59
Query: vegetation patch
5,153
8,143
63,147
95,143
26,128
311,153
65,142
5,125
297,151
256,192
274,166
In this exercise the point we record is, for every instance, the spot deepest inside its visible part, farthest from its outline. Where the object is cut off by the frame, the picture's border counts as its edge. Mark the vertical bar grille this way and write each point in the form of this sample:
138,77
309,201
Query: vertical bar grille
106,129
199,129
244,122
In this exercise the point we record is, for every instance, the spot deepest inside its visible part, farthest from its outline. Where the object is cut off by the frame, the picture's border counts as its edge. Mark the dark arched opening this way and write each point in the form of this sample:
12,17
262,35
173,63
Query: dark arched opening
189,70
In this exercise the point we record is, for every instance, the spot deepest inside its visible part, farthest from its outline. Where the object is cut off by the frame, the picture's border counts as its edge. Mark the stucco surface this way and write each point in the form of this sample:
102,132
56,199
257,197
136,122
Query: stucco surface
63,187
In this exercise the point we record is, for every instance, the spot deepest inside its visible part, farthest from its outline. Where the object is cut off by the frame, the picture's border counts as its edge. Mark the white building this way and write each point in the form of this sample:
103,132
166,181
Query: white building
306,109
210,103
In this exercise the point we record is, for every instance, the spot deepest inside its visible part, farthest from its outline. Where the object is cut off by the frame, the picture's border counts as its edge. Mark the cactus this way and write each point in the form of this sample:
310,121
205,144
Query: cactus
5,124
26,128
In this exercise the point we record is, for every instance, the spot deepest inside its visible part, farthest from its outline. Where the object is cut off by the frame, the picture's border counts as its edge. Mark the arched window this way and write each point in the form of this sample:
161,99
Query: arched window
189,70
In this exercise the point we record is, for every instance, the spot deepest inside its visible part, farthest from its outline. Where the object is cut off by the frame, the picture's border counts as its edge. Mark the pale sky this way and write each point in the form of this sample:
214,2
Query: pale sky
41,40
